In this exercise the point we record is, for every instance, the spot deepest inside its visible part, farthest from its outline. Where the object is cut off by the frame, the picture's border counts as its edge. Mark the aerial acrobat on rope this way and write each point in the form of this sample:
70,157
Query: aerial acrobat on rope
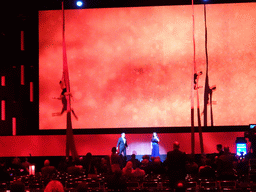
65,98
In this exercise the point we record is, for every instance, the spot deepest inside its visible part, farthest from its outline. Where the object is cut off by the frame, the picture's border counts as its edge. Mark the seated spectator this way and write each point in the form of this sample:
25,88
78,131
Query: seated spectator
145,157
145,166
206,171
225,165
192,166
4,175
157,166
104,166
48,170
138,173
89,163
115,161
82,187
16,163
17,186
54,186
16,166
128,170
135,162
116,182
25,165
220,150
75,169
63,165
242,168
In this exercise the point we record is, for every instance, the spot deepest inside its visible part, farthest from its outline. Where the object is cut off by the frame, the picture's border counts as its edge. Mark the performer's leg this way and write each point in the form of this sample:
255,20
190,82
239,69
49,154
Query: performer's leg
74,114
63,109
124,152
56,114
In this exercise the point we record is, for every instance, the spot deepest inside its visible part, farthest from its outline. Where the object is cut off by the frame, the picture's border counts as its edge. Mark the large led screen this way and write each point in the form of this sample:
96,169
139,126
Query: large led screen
133,67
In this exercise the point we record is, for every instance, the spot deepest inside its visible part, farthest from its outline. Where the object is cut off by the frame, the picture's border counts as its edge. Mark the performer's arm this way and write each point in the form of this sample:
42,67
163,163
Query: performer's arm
59,98
118,142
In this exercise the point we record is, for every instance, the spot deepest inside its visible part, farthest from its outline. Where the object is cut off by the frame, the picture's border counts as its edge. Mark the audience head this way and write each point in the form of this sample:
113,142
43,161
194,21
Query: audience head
54,186
46,162
226,150
144,163
88,156
129,165
17,186
145,157
219,147
157,160
133,156
113,150
176,145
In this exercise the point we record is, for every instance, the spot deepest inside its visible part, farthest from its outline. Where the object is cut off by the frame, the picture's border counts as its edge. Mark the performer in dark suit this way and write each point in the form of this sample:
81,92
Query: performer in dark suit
122,144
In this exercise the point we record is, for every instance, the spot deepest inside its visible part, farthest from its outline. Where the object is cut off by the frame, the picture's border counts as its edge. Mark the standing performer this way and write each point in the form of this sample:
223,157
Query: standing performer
122,144
155,145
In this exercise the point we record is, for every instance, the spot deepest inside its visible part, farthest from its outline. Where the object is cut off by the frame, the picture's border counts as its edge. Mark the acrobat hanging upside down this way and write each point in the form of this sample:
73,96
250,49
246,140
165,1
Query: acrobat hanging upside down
63,99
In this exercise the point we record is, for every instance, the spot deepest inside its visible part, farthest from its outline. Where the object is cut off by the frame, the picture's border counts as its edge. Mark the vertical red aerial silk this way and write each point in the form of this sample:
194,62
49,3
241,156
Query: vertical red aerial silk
70,143
193,89
206,87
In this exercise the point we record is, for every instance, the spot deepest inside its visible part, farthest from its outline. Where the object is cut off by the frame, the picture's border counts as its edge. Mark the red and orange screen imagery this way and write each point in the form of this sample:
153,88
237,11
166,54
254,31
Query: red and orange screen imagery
133,67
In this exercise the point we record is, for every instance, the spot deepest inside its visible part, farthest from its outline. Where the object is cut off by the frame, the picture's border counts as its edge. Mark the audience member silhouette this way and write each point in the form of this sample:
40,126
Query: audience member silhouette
225,165
116,182
16,165
157,166
145,166
4,175
219,149
191,166
48,170
82,187
54,186
206,171
128,170
63,165
17,186
90,167
75,169
139,173
103,167
25,165
135,162
115,160
176,163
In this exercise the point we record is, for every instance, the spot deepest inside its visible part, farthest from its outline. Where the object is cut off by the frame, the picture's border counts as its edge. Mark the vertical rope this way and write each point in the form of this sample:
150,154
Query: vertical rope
206,87
192,87
70,143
